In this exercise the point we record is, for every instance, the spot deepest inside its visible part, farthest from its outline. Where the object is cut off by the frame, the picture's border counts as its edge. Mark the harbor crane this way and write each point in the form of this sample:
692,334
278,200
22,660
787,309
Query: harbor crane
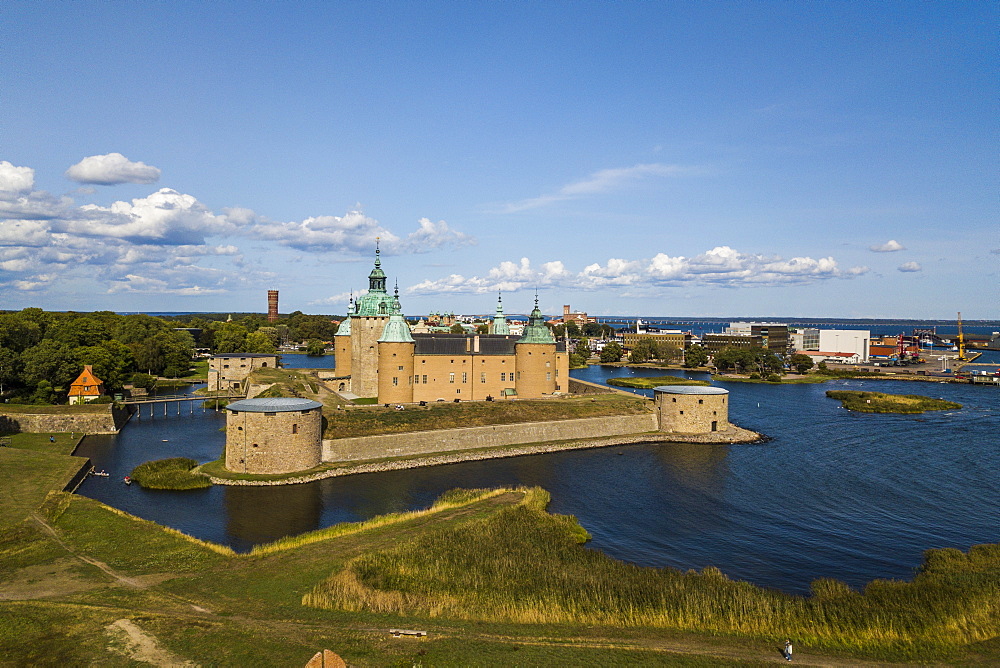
961,340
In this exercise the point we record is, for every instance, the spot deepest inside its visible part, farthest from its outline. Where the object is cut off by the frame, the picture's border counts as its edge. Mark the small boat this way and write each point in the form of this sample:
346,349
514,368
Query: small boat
103,474
127,480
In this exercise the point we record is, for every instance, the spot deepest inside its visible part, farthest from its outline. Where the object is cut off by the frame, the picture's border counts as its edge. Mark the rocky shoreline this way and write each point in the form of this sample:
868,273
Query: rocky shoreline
733,435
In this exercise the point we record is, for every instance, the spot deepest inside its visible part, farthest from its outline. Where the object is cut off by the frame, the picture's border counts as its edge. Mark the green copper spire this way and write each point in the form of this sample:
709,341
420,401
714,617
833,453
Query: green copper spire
536,331
500,325
376,301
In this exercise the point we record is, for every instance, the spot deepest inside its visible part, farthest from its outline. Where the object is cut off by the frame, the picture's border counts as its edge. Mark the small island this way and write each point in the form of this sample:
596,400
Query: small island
650,383
879,402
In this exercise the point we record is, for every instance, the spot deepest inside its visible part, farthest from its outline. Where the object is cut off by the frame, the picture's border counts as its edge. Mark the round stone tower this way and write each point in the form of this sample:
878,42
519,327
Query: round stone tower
395,359
371,314
342,344
535,355
276,435
691,409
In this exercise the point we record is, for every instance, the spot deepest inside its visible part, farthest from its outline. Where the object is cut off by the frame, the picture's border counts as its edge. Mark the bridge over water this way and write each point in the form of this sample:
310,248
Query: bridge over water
178,400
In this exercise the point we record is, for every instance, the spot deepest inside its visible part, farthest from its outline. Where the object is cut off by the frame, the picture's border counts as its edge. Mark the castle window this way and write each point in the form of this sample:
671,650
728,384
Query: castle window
548,364
400,368
701,401
306,412
395,381
482,377
270,414
295,428
416,379
682,412
264,364
451,378
503,377
423,361
425,380
548,375
239,429
465,377
674,400
458,391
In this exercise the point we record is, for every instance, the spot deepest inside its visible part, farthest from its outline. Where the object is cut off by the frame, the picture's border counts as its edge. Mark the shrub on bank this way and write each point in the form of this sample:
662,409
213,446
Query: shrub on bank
172,473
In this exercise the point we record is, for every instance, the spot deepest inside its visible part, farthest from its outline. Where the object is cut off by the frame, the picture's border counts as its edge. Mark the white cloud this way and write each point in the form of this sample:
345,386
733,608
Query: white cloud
112,169
16,180
353,232
910,267
165,217
888,247
606,180
723,266
31,233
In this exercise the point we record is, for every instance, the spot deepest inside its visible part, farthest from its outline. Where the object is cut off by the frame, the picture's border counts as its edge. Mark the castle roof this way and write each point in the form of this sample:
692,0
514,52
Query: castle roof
86,384
536,331
690,389
273,405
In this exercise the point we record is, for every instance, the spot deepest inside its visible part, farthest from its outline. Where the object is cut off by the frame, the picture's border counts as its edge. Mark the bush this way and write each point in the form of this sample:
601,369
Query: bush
773,378
173,473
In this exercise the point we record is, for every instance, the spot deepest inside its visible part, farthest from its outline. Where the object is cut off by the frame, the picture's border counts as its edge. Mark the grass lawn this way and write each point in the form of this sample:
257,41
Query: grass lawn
440,415
28,475
650,383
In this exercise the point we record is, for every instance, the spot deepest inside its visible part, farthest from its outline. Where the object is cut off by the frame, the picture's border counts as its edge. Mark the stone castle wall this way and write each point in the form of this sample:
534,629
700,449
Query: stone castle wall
472,438
106,421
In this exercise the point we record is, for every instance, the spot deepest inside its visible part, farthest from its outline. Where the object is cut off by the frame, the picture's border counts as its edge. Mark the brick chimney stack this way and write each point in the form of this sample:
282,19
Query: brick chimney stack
272,305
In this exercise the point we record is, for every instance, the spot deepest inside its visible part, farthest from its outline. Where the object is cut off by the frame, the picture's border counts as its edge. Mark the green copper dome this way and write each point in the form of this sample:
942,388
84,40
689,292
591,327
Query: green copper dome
536,331
377,301
345,326
396,330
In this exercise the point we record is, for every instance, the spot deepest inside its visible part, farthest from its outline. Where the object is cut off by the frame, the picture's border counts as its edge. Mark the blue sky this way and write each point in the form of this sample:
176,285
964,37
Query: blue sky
670,158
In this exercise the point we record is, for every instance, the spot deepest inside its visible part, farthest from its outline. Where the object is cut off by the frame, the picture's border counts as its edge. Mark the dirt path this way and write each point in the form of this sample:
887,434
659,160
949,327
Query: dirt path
136,644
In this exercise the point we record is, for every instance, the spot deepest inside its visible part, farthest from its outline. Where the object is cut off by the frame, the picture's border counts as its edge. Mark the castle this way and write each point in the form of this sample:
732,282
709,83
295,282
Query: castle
377,355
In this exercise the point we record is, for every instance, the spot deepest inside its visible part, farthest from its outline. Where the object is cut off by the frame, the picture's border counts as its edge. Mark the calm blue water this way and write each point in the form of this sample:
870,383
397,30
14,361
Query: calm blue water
833,494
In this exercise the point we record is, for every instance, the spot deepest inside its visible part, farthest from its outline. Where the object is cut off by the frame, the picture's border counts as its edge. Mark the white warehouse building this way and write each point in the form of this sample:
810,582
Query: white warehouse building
855,341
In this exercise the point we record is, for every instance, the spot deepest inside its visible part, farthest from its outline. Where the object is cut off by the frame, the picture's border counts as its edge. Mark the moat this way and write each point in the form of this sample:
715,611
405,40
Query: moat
835,494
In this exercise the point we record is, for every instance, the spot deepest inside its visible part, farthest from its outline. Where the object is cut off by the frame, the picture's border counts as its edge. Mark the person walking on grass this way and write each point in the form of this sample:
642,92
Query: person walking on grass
788,650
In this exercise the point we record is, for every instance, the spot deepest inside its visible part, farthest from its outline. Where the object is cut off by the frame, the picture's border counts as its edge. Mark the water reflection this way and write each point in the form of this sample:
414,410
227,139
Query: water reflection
257,515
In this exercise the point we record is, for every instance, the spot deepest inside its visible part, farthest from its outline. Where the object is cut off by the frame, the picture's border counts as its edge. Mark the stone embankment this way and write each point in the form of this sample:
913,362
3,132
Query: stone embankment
732,435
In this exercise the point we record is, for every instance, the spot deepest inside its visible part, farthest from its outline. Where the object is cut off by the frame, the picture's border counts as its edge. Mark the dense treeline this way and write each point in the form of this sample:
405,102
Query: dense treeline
42,352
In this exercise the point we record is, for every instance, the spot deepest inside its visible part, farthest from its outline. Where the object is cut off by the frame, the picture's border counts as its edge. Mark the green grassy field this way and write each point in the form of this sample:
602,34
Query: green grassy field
28,475
490,575
879,402
650,383
380,420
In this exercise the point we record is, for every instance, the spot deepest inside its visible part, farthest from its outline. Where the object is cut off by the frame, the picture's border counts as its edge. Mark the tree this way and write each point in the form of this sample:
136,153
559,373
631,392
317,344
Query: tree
10,367
558,331
52,362
259,342
583,349
666,351
612,352
573,329
801,363
695,356
592,329
315,347
483,329
230,337
457,329
643,351
76,330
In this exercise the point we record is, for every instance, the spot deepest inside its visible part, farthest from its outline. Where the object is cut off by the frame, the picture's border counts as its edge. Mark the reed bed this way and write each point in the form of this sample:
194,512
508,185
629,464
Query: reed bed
173,473
523,565
451,499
